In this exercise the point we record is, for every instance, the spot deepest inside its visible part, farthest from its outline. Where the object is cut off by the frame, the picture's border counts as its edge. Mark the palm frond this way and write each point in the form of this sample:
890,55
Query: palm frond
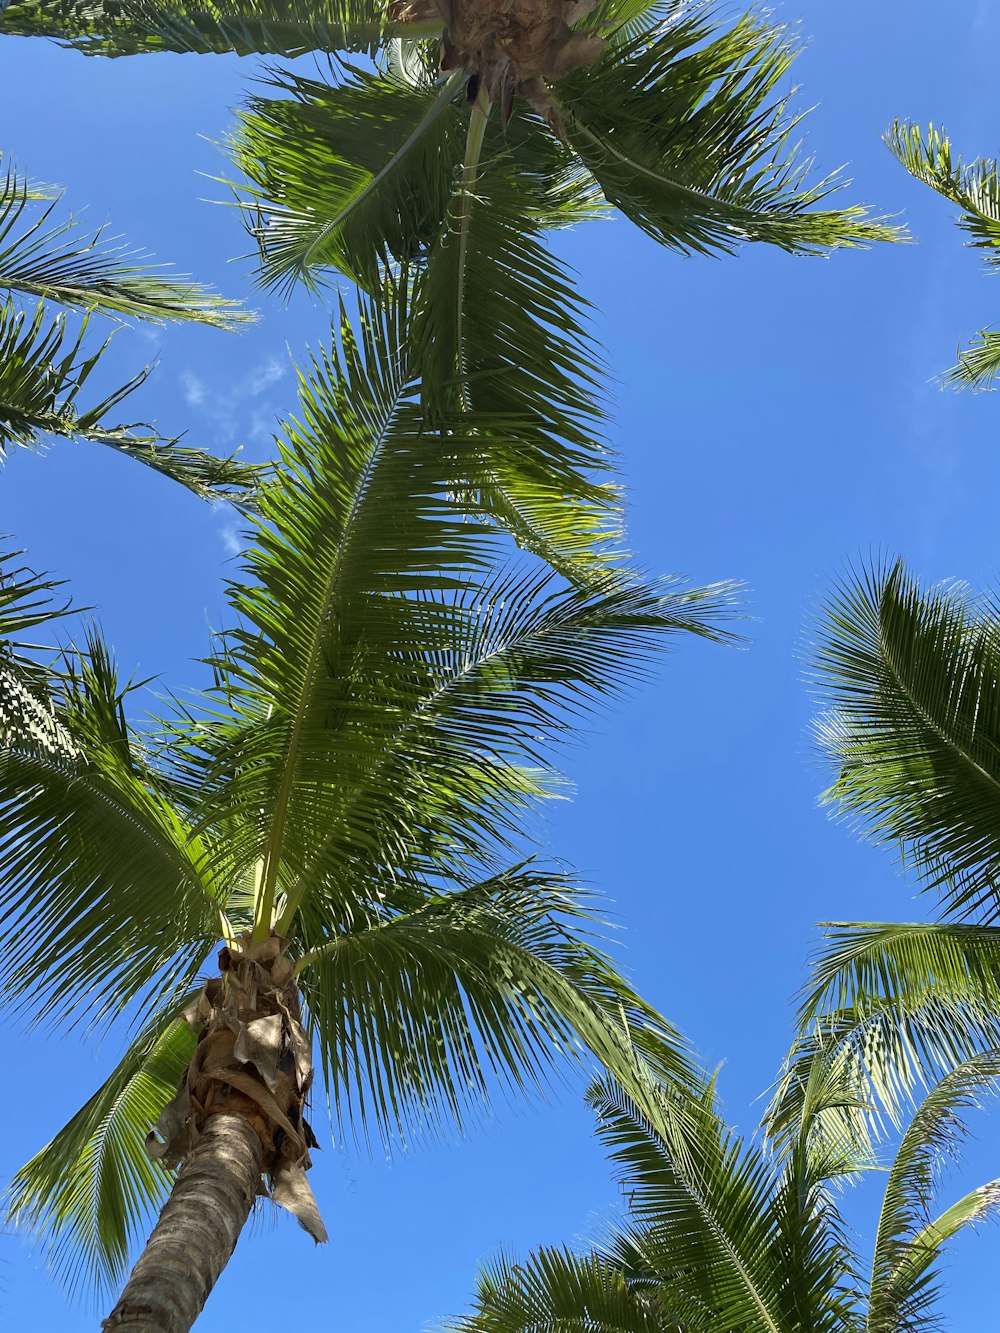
91,1191
103,892
714,1225
246,27
523,661
346,176
559,1291
908,1240
975,188
356,179
422,1016
51,260
388,690
44,367
686,133
911,676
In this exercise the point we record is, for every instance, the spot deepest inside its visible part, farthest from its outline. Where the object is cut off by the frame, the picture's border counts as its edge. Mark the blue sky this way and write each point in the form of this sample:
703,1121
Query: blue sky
776,418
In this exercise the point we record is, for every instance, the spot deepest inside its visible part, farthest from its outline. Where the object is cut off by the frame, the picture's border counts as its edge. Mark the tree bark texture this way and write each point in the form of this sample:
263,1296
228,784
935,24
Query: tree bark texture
196,1233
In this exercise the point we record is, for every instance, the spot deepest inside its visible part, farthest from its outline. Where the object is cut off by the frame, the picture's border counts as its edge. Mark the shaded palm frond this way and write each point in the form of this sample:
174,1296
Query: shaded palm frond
522,661
44,258
686,133
103,892
345,177
44,367
714,1223
422,1016
388,690
246,27
91,1191
913,680
367,176
559,1291
975,188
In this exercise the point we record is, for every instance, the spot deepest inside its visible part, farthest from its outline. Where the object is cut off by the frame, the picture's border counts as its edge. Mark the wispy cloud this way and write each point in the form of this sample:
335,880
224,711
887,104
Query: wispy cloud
232,536
194,390
235,414
266,376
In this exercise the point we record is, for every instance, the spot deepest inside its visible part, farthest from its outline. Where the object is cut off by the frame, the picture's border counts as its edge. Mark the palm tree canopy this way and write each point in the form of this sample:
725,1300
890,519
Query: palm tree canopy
975,188
386,175
383,711
367,172
45,362
721,1234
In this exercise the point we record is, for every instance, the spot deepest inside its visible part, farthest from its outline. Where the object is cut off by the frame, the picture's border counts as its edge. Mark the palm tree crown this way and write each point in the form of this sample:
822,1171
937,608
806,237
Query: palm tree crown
344,811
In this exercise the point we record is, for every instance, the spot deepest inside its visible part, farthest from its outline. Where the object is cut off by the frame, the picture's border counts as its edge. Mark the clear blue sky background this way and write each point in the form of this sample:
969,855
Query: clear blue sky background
776,417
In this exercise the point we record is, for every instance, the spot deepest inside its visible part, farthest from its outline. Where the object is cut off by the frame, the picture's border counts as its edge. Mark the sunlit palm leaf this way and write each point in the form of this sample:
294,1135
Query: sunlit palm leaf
894,1007
388,684
714,1221
686,132
346,176
91,1191
559,1291
421,1017
356,179
909,1239
456,732
102,892
975,188
912,677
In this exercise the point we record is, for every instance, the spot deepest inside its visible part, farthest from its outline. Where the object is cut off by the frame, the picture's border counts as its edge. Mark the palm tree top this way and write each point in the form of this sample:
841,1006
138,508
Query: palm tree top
384,710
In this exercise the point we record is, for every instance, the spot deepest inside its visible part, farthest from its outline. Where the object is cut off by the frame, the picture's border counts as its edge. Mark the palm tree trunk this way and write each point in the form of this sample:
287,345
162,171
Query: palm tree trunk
196,1233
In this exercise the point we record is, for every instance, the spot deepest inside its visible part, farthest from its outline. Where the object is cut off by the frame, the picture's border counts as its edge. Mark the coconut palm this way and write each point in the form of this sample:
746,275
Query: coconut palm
975,188
341,814
45,362
563,112
722,1235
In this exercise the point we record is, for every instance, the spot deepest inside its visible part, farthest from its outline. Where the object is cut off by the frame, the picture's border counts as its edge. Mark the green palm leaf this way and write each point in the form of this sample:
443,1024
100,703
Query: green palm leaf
731,1242
908,1241
44,367
91,1191
102,882
388,690
421,1014
685,132
44,258
975,188
357,179
560,1292
893,1006
911,676
246,27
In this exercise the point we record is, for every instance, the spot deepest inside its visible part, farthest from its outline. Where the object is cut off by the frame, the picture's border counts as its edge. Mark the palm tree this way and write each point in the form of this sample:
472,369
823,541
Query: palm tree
975,188
662,112
45,363
342,813
728,1236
